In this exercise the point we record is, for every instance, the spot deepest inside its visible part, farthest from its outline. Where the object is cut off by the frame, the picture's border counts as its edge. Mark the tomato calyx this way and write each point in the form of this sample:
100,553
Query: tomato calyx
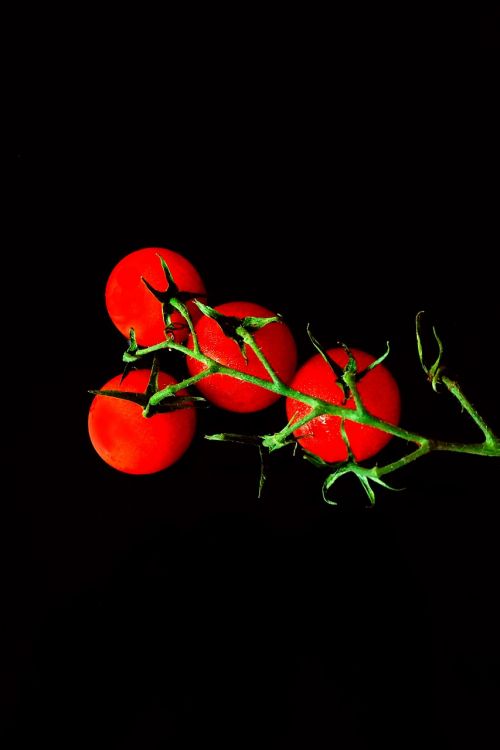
436,370
364,474
346,377
169,402
236,328
169,297
337,370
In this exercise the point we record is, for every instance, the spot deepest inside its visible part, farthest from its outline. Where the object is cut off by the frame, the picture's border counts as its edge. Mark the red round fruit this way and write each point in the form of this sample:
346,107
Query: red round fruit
276,343
130,304
134,444
379,393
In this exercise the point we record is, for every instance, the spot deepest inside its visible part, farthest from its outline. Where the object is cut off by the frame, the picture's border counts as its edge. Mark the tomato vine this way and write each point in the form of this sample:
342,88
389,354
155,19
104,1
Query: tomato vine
348,377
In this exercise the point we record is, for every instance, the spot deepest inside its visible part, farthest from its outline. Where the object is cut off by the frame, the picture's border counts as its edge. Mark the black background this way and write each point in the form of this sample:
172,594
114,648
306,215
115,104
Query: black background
348,191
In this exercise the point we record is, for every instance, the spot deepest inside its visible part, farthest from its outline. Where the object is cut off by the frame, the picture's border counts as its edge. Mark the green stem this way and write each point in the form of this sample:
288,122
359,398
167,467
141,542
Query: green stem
362,416
350,380
427,446
405,460
474,449
181,307
157,397
489,447
278,439
456,391
215,367
249,339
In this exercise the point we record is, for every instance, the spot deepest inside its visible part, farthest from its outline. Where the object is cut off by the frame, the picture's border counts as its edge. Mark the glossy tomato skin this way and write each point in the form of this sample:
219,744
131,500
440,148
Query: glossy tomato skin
134,444
130,304
275,341
379,392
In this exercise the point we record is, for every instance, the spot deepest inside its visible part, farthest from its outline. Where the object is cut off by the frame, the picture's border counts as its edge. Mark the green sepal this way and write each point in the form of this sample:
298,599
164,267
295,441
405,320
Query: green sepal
152,386
165,297
174,403
365,476
233,437
384,484
172,289
314,459
130,354
374,364
227,323
231,325
351,367
136,398
250,323
338,371
368,489
170,403
330,481
435,370
343,433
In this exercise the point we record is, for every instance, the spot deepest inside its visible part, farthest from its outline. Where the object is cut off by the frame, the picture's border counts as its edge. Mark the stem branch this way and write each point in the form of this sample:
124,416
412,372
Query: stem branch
456,391
489,447
249,339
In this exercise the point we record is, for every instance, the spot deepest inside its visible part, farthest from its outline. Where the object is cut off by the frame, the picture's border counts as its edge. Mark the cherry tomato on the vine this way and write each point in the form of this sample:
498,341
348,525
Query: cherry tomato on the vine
322,436
131,304
275,341
134,444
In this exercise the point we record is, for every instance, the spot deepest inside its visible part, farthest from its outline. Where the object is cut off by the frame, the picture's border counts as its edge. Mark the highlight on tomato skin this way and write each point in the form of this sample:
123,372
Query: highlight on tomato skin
130,304
276,342
134,444
322,436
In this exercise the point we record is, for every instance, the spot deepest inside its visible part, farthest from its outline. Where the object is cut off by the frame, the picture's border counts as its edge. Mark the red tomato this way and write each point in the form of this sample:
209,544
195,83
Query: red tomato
275,341
134,444
379,393
131,304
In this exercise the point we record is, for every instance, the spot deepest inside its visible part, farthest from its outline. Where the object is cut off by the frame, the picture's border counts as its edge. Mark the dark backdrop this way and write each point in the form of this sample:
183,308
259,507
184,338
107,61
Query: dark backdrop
179,608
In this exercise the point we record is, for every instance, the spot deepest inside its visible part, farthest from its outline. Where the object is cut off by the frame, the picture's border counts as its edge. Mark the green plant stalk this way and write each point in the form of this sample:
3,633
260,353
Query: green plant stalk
278,386
279,439
241,331
249,339
489,447
181,307
170,390
456,391
427,446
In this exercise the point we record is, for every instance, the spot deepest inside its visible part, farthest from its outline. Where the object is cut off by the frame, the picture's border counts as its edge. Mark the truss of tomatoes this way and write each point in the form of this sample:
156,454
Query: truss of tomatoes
136,297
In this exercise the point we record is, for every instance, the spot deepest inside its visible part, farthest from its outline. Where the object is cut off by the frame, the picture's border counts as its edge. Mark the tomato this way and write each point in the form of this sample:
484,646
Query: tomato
134,444
379,393
275,341
130,304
